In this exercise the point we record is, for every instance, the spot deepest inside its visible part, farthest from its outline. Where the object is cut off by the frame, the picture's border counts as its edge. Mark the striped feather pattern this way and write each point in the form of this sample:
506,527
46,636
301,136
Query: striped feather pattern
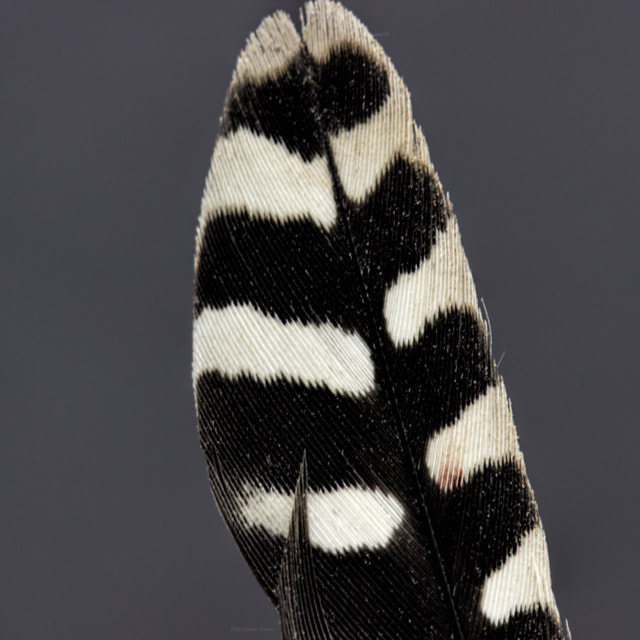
337,323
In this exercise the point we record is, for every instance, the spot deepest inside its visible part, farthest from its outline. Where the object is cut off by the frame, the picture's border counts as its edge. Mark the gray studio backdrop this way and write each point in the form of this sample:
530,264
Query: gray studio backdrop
109,112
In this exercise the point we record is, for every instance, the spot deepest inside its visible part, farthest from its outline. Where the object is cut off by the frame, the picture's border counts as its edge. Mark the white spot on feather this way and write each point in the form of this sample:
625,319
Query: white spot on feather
269,50
328,25
521,583
440,282
362,154
483,434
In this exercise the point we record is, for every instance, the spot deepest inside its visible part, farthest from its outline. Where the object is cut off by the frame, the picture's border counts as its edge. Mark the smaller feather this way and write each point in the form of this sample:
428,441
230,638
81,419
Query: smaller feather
301,613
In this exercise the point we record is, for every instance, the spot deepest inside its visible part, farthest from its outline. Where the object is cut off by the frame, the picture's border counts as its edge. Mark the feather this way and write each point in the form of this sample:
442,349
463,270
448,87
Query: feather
359,438
299,597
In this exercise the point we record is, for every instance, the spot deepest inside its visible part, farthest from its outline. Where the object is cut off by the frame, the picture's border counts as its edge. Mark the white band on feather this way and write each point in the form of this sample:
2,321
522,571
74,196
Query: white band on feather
442,281
340,520
252,172
522,583
239,340
482,435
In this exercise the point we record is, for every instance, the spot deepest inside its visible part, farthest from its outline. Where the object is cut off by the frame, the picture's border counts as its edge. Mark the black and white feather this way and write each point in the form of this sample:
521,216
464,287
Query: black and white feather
359,438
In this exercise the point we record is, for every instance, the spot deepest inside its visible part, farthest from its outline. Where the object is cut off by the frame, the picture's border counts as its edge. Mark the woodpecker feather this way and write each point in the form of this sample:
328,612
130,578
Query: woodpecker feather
359,438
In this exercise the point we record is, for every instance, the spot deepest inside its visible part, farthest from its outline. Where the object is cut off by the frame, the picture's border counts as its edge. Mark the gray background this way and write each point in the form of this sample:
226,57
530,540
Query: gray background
109,112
